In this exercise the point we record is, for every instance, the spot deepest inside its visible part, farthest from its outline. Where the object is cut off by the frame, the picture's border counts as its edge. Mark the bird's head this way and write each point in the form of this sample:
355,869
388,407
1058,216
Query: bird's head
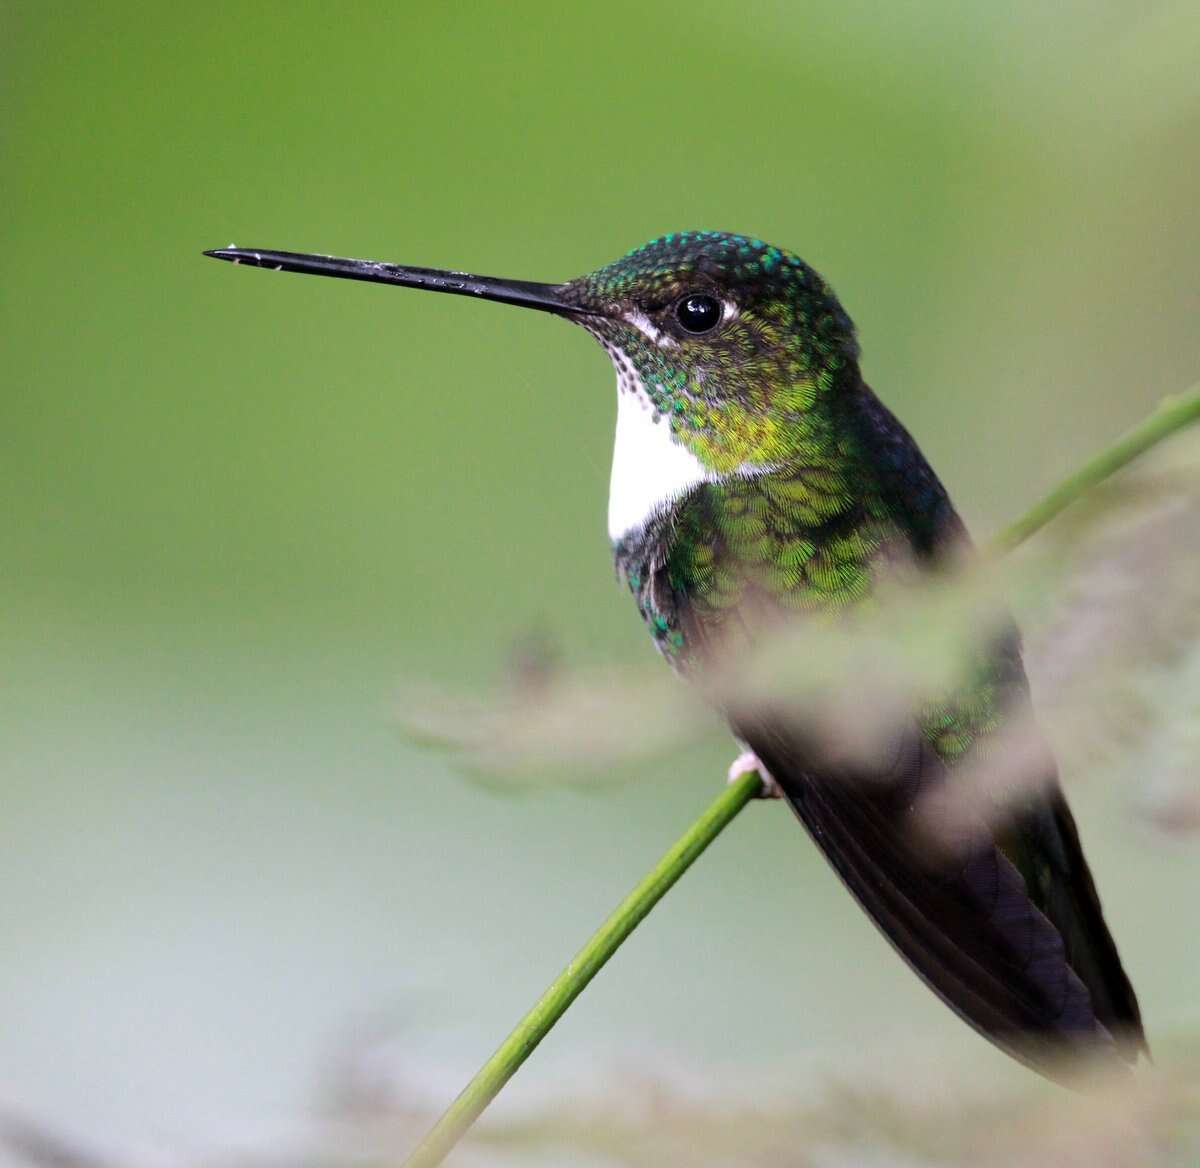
728,340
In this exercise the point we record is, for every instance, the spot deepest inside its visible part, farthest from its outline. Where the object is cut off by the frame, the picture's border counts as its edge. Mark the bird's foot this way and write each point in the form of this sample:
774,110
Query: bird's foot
746,762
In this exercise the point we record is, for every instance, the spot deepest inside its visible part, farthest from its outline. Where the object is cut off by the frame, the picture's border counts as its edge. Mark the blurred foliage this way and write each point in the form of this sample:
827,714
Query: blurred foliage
1111,597
640,1116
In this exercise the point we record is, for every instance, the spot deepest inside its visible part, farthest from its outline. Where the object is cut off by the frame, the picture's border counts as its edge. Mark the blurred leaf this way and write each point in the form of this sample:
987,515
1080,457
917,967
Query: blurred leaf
1111,593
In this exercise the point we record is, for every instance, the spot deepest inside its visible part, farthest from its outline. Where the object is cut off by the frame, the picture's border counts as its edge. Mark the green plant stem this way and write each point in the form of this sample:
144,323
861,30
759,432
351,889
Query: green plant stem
1174,414
569,984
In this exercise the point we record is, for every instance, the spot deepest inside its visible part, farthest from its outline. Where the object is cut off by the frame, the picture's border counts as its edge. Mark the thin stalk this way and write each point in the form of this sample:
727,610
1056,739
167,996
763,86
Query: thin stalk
588,962
1172,415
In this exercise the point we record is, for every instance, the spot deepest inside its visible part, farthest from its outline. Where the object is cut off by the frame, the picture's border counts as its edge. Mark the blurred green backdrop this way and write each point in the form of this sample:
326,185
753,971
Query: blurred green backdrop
238,508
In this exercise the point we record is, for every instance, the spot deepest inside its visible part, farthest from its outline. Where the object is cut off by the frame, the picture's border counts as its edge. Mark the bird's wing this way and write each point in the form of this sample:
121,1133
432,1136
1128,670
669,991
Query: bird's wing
964,920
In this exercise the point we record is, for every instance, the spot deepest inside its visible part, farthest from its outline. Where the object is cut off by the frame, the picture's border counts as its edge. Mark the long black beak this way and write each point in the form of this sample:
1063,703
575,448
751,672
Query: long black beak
545,297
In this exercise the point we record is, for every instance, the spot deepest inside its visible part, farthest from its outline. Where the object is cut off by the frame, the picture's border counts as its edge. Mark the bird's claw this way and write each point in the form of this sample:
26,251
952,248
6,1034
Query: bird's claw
748,761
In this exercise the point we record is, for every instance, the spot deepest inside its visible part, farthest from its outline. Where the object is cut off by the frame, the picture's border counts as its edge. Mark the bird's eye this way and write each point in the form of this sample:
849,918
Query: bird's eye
698,312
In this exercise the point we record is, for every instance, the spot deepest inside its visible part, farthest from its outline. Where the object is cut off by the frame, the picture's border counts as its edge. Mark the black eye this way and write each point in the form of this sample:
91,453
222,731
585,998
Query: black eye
699,312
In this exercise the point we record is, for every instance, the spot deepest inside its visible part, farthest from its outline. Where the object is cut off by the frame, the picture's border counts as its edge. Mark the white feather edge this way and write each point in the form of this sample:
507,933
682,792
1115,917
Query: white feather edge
650,470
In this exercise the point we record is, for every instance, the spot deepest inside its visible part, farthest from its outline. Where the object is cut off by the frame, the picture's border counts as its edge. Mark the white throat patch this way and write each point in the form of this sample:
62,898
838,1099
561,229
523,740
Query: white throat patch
649,470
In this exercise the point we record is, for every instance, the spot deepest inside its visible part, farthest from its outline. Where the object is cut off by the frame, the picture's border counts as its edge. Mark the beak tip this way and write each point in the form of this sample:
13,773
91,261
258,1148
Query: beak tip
242,255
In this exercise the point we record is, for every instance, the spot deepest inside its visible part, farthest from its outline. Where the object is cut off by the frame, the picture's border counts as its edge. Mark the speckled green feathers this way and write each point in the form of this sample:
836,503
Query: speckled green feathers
762,403
814,479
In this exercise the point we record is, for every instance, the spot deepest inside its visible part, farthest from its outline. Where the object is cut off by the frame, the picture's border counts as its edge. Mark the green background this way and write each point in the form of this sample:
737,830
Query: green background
239,509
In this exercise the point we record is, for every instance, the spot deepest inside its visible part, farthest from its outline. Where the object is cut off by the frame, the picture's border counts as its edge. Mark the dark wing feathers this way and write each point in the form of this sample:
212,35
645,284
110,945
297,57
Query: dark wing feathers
1061,884
965,922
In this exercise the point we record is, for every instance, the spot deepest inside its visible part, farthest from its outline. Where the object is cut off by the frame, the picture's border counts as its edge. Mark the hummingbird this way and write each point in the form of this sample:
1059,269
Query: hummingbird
755,474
